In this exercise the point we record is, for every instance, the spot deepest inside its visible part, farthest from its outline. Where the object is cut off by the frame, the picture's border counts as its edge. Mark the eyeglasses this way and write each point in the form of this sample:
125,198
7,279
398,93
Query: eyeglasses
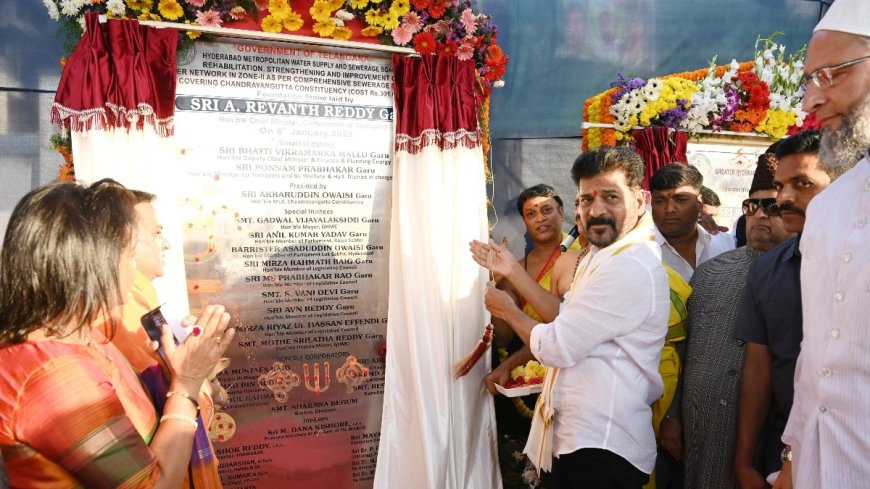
768,206
824,77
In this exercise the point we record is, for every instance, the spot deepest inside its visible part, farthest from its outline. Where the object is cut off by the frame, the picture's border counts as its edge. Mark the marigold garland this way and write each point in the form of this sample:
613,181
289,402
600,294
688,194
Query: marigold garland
63,145
484,137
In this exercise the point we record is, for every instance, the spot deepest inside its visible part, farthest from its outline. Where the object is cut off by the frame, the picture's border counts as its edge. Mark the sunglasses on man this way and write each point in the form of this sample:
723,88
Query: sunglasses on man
768,206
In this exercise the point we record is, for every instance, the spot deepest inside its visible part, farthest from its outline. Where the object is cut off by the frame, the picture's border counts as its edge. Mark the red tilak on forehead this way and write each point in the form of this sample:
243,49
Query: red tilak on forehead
594,194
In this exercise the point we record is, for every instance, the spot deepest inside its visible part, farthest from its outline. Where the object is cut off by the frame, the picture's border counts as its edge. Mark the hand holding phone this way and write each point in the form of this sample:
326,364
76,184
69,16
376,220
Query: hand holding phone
153,322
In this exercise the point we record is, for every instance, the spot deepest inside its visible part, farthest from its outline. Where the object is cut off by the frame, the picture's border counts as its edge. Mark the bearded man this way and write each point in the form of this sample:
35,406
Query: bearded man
593,421
826,434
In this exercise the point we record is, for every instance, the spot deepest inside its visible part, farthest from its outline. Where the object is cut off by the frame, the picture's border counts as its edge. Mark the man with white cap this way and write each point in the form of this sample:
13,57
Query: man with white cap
828,431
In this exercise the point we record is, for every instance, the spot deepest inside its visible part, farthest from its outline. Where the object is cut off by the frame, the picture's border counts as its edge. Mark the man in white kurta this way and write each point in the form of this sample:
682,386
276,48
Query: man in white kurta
828,430
607,339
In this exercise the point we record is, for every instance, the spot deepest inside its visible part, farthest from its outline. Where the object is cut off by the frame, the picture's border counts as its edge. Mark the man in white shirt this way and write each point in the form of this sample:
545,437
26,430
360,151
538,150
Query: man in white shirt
594,415
828,431
676,206
677,203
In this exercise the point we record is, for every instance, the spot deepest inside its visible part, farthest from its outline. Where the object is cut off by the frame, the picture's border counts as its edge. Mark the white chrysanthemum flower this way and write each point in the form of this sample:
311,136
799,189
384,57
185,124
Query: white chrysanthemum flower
70,8
116,7
338,22
83,23
52,9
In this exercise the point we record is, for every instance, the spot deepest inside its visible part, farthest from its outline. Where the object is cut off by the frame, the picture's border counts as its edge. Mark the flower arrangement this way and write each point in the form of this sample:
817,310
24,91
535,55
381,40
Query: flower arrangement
529,374
200,12
445,27
762,96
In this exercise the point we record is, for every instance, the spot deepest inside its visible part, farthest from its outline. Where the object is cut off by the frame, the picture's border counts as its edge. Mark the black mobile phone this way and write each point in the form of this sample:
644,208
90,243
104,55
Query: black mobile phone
153,322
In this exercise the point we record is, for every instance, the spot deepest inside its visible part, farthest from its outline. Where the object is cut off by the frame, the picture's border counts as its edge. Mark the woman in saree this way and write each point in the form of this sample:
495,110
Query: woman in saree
73,413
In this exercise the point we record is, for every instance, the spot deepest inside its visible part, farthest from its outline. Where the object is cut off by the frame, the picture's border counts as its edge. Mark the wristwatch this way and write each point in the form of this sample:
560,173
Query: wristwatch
785,456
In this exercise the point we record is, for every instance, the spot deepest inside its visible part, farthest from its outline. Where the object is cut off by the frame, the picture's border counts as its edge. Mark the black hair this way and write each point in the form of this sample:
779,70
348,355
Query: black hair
709,197
59,263
539,190
605,159
676,175
802,142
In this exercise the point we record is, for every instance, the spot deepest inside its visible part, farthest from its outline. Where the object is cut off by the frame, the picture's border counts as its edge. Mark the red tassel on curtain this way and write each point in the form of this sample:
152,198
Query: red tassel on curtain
659,146
463,366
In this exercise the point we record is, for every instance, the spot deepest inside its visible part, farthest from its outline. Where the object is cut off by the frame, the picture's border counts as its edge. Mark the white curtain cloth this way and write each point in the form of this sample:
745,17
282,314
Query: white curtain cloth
436,432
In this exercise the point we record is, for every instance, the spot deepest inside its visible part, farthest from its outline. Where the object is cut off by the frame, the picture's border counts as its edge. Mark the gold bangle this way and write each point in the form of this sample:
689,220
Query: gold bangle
184,395
180,417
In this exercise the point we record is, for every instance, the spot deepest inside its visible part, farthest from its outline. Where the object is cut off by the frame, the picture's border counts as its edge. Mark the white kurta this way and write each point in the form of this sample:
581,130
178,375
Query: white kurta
829,425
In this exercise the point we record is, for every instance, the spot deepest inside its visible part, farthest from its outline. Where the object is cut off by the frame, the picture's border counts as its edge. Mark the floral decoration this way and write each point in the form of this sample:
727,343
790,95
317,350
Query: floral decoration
762,96
529,374
443,27
63,145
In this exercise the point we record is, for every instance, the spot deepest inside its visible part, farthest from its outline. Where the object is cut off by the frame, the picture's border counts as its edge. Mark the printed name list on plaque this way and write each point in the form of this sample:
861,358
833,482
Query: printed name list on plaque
287,156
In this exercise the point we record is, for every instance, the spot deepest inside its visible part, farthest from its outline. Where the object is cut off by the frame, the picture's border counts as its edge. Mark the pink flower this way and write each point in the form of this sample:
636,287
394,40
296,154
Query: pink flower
195,3
210,18
402,35
412,22
469,20
465,51
261,4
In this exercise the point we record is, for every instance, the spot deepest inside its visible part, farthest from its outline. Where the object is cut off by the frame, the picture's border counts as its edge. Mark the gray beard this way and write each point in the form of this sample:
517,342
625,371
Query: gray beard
841,149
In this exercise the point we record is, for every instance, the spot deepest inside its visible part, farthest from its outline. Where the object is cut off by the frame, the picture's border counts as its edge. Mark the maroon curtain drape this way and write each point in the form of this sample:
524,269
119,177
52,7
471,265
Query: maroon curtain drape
435,102
121,74
659,146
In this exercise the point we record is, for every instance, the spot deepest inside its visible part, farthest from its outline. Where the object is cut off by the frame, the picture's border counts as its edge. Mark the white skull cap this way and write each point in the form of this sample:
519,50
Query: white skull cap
849,16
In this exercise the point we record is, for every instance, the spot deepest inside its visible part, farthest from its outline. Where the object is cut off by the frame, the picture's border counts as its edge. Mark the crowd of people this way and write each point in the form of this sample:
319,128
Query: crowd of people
680,357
